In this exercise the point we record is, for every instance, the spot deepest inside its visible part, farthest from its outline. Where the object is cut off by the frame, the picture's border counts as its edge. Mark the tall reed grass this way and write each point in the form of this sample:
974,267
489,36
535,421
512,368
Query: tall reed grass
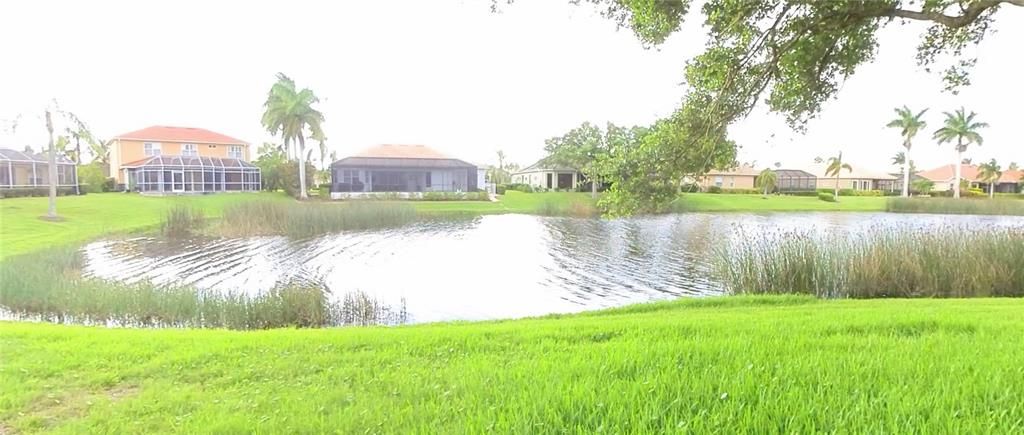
310,219
49,286
560,207
880,263
986,206
182,221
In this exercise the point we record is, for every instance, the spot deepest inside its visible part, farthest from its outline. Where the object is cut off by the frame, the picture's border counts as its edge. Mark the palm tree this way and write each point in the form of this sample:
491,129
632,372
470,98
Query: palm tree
290,112
836,165
766,180
1013,167
51,211
961,128
990,173
923,186
910,124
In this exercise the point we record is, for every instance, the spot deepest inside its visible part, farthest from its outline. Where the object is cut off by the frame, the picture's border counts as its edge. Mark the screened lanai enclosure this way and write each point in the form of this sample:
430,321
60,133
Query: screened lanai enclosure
191,174
26,170
794,180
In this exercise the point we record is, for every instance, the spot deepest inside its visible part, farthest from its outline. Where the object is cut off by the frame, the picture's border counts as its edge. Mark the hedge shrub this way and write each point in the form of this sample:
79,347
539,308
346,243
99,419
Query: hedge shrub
19,192
827,197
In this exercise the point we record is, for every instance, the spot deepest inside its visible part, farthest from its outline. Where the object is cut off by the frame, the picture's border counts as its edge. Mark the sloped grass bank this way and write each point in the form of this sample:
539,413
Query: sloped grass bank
792,365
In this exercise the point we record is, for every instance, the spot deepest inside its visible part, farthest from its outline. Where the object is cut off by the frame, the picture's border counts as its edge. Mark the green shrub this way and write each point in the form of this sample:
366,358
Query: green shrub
741,191
519,187
93,180
290,177
827,197
714,189
455,196
20,192
868,193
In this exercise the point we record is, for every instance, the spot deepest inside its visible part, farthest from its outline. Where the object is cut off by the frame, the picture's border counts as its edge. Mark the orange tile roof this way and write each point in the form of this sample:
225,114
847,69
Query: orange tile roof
159,133
401,152
967,172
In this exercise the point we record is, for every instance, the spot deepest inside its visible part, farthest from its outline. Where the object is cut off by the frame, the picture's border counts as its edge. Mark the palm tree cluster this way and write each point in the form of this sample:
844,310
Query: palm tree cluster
289,112
959,128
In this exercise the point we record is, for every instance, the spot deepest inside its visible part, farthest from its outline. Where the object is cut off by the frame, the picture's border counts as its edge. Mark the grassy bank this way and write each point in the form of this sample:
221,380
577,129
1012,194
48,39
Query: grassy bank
90,216
880,263
740,364
985,206
737,202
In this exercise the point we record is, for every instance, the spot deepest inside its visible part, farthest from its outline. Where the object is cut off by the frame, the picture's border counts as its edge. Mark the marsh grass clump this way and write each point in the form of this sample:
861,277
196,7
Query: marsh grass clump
984,206
573,208
182,221
49,286
879,263
306,219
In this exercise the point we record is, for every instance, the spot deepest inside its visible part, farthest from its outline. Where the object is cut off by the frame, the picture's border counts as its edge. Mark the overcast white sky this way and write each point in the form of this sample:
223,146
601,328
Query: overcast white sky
448,74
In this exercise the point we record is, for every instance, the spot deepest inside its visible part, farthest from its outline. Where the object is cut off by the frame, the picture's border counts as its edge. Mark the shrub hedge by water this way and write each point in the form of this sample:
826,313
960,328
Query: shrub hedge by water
48,285
310,219
998,206
880,263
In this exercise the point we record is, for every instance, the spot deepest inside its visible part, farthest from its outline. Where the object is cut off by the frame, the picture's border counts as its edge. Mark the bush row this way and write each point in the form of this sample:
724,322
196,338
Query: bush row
19,192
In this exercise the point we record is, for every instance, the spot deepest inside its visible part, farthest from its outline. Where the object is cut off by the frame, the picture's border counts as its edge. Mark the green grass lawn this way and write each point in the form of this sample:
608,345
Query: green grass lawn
731,365
90,216
736,202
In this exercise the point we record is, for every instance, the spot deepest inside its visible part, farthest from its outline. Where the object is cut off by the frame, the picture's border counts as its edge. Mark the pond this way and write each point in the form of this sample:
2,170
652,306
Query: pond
492,267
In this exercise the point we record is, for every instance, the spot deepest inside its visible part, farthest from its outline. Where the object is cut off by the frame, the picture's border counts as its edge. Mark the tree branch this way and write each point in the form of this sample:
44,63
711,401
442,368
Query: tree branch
971,13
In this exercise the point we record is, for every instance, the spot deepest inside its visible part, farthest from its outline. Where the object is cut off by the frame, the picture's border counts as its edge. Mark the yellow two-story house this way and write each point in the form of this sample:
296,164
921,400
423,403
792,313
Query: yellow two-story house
172,160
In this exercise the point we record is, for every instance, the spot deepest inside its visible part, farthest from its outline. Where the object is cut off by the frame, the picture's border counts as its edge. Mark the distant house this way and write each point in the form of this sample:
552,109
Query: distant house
401,169
858,179
743,177
171,160
543,175
942,176
26,170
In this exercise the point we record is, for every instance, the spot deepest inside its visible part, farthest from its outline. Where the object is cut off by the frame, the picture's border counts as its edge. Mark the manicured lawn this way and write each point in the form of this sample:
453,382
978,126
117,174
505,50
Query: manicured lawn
732,365
90,216
733,202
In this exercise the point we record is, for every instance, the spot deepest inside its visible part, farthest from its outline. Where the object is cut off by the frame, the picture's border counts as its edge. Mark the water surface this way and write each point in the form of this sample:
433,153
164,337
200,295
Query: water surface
492,267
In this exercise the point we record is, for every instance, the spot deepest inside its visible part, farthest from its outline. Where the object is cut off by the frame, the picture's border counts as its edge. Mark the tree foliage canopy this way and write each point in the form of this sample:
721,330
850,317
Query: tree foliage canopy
792,55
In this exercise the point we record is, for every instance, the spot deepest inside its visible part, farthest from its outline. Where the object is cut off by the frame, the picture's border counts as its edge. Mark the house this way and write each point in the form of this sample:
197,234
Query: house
170,160
742,177
543,175
942,176
29,170
407,169
858,179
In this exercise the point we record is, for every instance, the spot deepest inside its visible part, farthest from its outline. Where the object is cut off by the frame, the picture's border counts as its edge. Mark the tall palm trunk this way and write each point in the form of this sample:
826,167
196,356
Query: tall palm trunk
906,171
991,189
956,168
51,212
593,187
302,168
837,185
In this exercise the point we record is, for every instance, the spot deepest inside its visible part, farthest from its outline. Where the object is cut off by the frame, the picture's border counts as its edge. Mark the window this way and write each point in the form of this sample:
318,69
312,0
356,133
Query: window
718,181
732,181
349,176
235,151
189,149
151,148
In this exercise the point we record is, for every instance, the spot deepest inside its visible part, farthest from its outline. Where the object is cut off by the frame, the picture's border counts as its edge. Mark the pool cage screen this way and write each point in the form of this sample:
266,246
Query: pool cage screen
177,174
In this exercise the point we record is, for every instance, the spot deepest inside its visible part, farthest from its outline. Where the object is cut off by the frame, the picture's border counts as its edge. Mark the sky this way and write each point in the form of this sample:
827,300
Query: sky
452,75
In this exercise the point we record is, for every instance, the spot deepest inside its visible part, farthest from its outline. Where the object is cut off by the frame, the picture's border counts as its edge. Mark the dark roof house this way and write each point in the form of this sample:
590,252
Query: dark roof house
402,168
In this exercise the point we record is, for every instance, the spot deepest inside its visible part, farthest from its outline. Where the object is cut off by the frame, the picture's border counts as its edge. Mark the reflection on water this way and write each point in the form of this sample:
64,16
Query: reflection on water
491,267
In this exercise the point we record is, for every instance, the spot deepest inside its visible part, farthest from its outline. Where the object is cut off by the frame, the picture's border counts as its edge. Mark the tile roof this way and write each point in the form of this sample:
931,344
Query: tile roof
9,155
969,172
858,173
741,170
158,133
190,161
401,152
